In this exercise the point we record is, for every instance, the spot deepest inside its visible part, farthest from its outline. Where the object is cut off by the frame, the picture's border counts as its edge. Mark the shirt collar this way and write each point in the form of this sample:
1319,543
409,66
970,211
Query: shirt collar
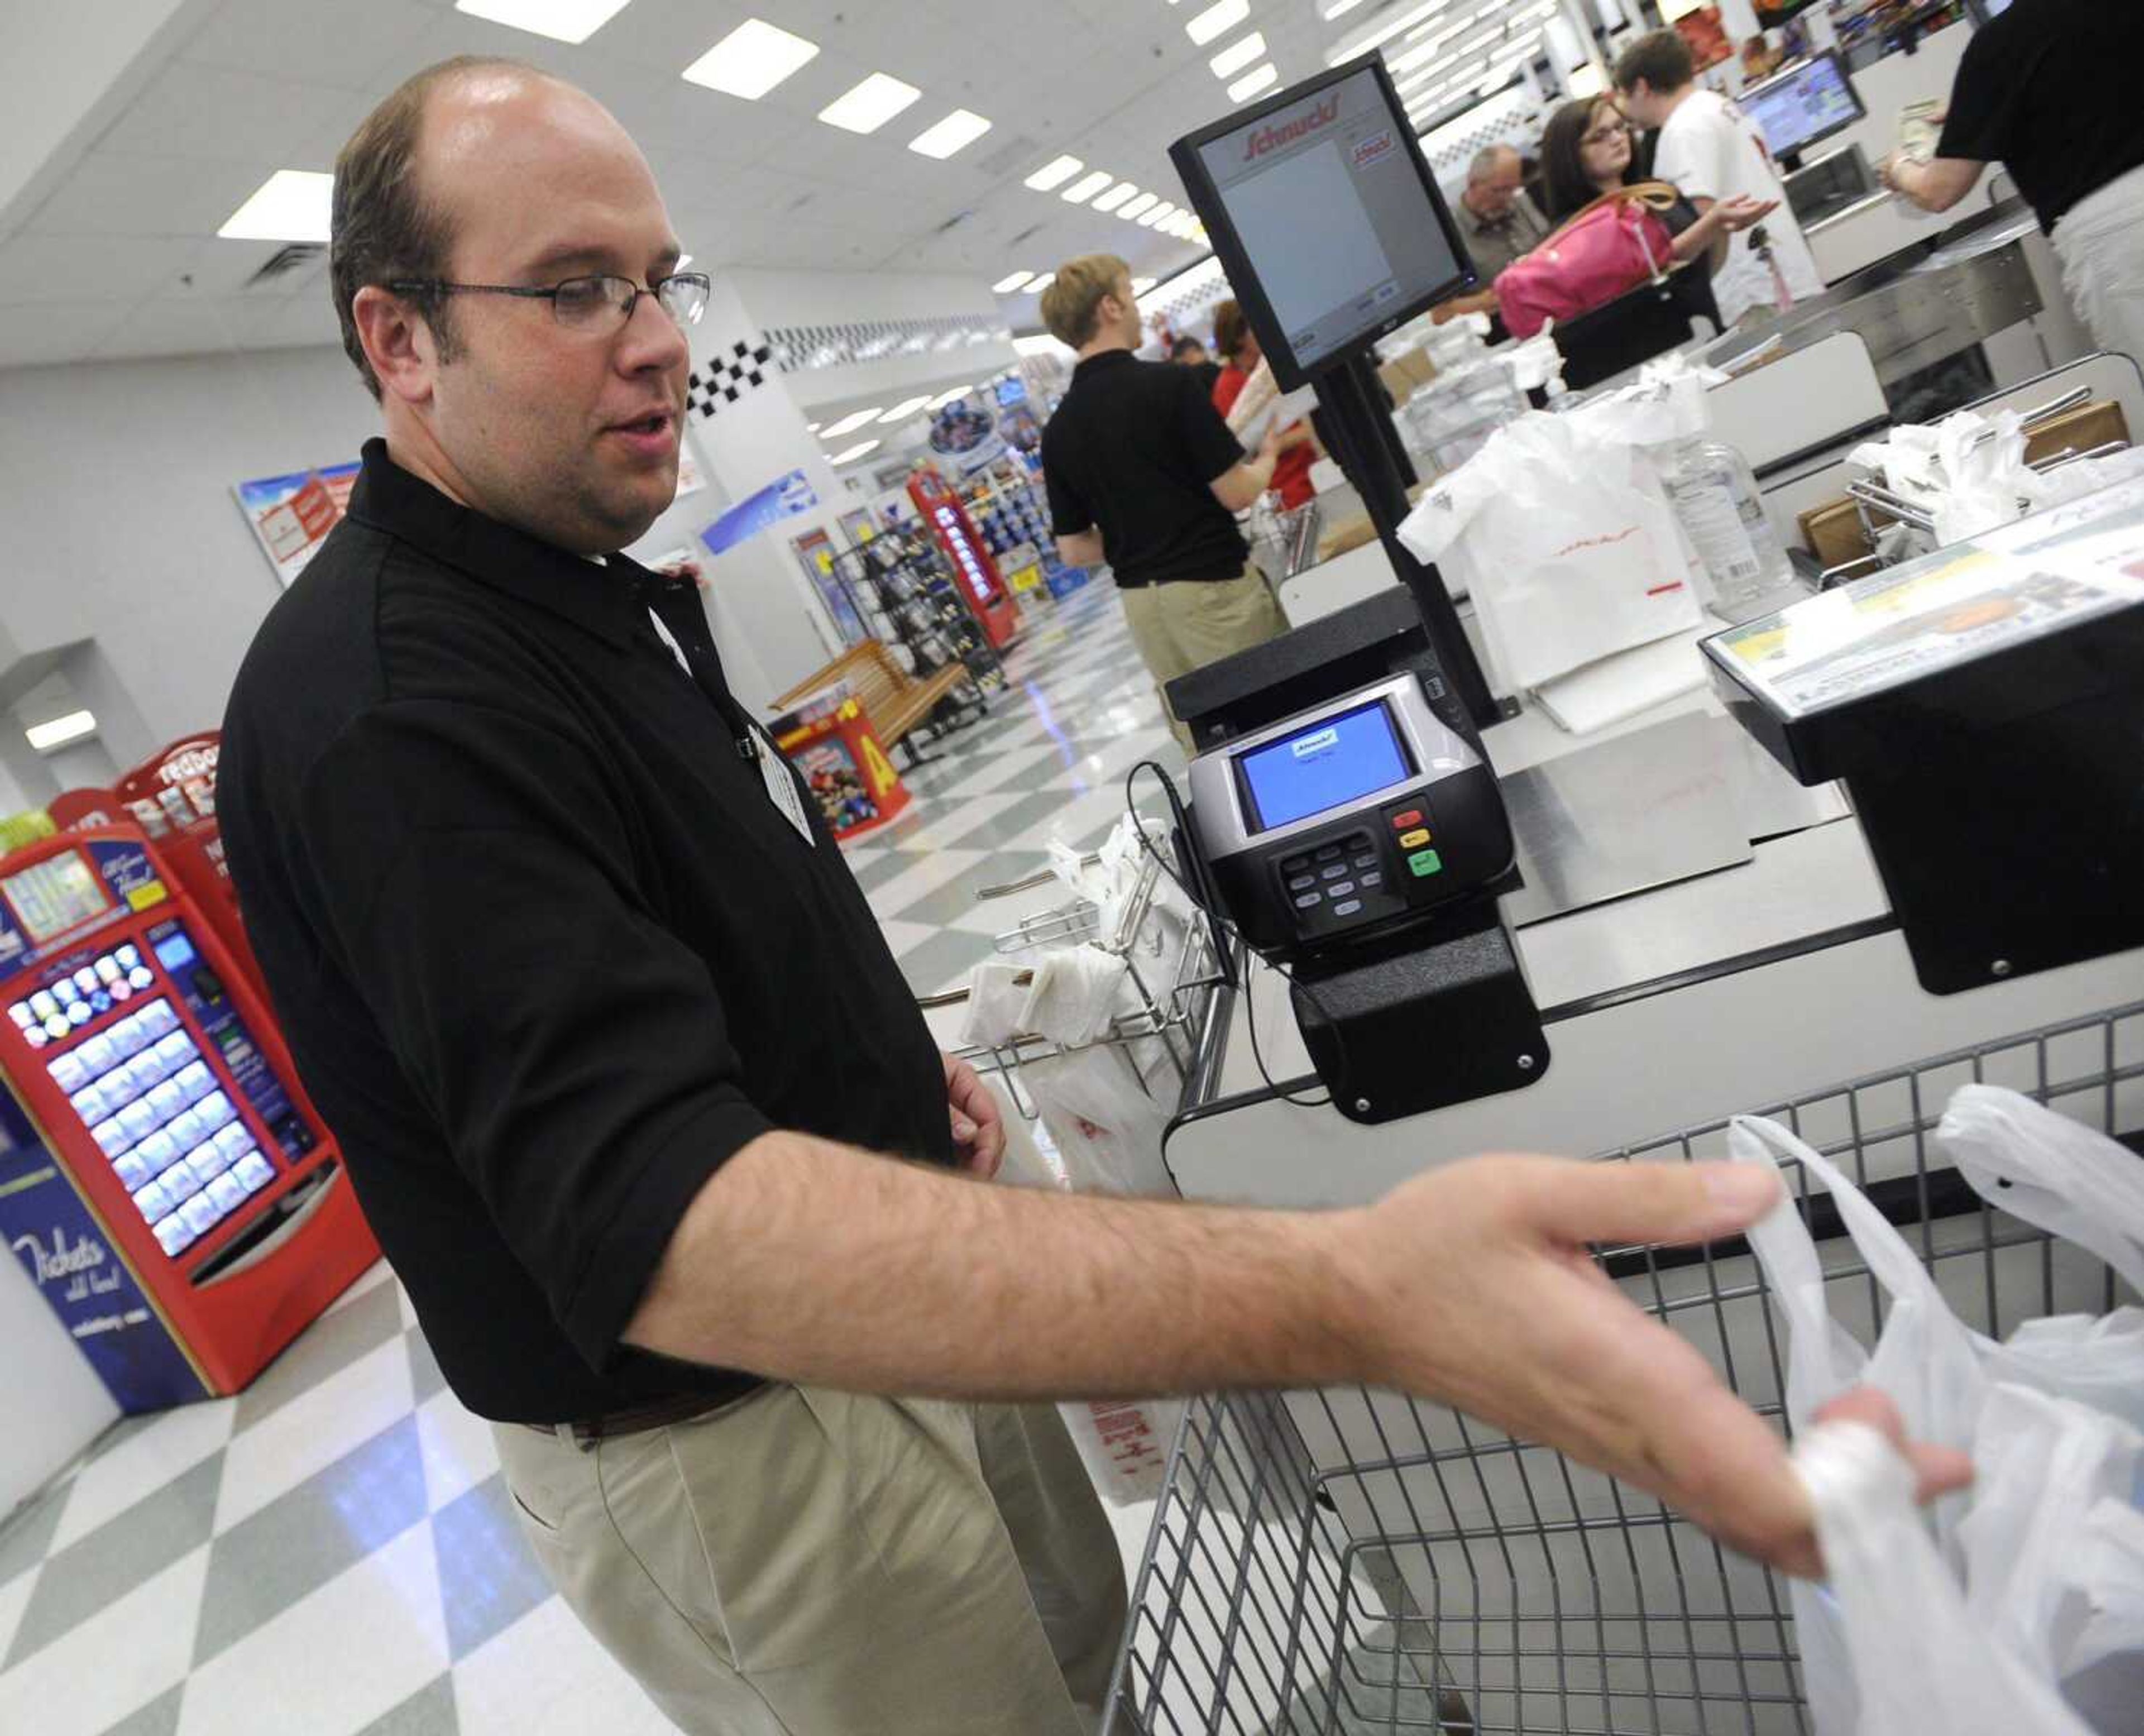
609,600
1107,359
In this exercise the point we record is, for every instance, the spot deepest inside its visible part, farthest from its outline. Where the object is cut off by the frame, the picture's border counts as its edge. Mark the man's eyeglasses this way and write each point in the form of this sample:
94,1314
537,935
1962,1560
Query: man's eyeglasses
602,304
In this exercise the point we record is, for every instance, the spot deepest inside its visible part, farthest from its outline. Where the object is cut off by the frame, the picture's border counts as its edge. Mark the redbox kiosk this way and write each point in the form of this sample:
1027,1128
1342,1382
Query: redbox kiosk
165,1182
976,569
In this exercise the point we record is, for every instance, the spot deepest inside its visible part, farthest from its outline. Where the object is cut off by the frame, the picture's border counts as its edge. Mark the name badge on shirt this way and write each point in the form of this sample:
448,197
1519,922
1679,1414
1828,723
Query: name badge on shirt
780,785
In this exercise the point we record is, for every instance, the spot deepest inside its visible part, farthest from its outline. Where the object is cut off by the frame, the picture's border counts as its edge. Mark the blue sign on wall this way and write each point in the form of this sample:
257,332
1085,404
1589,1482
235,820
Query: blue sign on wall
792,495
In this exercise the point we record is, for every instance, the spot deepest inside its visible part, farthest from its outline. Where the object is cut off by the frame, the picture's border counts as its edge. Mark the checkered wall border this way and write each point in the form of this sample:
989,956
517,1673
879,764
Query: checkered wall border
726,376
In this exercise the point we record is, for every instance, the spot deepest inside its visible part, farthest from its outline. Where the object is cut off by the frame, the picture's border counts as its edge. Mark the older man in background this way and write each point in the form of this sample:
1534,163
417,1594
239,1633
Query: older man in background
1500,221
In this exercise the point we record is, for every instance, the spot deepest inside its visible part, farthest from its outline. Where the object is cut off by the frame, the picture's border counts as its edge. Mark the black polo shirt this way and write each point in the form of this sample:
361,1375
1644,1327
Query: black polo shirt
2048,89
545,948
1134,448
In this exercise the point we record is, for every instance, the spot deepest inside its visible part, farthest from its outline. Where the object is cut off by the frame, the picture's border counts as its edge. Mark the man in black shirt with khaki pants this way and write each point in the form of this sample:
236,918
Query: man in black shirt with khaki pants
1143,473
642,1112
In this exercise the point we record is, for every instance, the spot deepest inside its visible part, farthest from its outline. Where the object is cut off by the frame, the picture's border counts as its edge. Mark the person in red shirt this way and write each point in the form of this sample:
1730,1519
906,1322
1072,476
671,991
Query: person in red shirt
1240,354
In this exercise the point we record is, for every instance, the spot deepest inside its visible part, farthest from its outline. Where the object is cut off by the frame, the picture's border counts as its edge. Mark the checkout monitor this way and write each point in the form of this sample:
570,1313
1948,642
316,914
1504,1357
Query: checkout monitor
1810,100
1326,218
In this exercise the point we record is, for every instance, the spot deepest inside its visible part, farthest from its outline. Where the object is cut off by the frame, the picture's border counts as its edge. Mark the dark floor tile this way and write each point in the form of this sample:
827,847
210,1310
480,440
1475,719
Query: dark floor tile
489,1580
302,1539
95,1571
325,1348
159,1717
429,1712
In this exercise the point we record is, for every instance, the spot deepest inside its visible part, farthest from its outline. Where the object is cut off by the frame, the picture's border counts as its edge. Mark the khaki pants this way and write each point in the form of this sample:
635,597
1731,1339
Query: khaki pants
1186,624
816,1563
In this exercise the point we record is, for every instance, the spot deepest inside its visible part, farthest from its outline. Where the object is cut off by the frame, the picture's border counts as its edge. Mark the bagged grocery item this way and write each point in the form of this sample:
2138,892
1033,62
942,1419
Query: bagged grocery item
1559,529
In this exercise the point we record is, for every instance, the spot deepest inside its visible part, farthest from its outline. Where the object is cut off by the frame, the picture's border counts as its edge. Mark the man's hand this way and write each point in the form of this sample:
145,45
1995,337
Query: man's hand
1742,212
1472,1285
978,1128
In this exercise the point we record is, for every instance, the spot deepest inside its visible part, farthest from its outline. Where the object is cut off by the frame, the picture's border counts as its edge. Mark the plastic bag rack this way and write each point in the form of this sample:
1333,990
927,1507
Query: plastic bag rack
1171,997
1344,1562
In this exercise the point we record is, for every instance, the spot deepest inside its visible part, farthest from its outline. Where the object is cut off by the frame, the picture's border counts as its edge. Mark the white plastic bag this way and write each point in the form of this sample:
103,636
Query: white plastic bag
1914,1663
1966,1619
1561,534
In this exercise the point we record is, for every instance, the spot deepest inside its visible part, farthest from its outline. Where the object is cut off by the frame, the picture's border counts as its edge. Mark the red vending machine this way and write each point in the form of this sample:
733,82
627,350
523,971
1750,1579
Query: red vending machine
165,1180
975,567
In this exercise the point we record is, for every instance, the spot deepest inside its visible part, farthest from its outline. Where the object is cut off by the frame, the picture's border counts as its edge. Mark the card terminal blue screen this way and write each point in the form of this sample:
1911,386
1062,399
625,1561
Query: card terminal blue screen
1333,762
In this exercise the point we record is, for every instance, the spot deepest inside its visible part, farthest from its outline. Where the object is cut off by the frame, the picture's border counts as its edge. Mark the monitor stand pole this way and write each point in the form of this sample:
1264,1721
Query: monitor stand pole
1368,448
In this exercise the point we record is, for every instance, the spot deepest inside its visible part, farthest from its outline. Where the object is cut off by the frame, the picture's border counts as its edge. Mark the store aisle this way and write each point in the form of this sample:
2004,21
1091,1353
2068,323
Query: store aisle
333,1552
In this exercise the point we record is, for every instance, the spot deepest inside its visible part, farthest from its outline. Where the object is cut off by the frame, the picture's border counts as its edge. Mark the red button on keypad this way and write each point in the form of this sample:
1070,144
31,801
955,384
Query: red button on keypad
1401,822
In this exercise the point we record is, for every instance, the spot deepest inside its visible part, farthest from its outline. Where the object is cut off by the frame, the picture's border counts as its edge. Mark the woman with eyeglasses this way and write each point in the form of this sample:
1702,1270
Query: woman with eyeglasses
1588,150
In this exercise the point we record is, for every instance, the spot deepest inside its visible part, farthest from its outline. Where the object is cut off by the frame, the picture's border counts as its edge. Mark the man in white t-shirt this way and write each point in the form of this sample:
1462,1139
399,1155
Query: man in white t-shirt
1711,151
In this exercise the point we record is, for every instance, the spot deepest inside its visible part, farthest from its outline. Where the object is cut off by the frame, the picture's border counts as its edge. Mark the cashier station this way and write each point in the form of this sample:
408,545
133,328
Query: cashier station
1463,929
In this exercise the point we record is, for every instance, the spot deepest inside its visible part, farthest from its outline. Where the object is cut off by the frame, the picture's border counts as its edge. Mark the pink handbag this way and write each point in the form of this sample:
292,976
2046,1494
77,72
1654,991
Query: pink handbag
1615,244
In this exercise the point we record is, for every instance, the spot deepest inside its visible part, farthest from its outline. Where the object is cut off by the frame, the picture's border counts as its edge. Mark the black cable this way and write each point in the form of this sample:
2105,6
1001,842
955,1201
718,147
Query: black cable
1224,930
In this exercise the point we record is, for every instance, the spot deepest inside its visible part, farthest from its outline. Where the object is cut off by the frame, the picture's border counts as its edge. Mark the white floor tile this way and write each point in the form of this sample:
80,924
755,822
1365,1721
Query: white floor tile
336,1660
140,1465
458,1450
544,1676
900,936
313,1431
926,877
121,1659
993,768
949,818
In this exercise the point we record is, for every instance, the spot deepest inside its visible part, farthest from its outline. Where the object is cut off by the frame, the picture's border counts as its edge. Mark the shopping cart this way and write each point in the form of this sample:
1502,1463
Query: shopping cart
1351,1561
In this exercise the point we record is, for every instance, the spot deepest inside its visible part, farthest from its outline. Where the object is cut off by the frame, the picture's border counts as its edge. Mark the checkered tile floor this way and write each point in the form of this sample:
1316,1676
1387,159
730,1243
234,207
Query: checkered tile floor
333,1551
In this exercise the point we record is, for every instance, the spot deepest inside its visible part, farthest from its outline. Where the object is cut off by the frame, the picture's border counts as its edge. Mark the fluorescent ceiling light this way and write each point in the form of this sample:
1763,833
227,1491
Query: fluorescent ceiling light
1009,282
947,397
1038,343
563,21
1040,284
906,408
1337,9
854,453
868,106
852,422
810,427
751,60
1140,285
1144,202
1264,79
956,132
1236,55
1115,196
1086,187
1379,34
1217,20
1156,216
1054,173
291,205
58,731
683,260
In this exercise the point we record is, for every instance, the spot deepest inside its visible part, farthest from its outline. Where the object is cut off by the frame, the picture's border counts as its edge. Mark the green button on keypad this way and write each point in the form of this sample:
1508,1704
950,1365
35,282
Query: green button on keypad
1425,862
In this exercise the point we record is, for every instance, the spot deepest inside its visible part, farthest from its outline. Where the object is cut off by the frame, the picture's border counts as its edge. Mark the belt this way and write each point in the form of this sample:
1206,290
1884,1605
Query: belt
639,1419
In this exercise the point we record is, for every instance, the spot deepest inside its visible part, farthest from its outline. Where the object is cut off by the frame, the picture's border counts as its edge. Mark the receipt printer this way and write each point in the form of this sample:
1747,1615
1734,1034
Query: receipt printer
1344,821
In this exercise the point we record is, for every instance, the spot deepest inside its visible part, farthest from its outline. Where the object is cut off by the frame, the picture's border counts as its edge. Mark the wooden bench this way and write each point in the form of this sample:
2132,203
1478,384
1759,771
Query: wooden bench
895,701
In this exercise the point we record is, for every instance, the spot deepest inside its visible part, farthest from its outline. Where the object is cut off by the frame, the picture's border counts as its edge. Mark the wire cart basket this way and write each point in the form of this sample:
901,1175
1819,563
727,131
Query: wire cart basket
1352,1561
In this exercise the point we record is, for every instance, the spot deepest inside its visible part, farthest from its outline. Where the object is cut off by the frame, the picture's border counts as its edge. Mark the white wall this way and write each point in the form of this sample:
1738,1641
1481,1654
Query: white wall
115,486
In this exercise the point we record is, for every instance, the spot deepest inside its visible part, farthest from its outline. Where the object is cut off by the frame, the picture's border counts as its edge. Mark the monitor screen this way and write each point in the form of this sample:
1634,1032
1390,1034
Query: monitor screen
1331,212
59,893
1335,760
1802,105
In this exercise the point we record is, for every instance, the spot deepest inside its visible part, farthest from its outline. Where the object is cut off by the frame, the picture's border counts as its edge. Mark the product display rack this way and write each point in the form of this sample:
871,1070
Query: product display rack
901,589
1012,516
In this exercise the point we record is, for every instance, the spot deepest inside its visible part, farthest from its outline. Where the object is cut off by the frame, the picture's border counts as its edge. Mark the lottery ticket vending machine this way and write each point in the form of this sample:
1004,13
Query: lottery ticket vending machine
164,1181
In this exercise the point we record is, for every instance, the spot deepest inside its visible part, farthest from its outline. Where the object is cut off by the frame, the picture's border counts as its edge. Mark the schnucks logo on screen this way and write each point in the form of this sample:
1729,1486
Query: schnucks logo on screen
1271,138
1369,150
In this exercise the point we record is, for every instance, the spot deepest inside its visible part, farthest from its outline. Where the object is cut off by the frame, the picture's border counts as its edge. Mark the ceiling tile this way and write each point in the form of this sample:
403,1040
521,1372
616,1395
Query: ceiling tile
358,47
33,333
110,194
